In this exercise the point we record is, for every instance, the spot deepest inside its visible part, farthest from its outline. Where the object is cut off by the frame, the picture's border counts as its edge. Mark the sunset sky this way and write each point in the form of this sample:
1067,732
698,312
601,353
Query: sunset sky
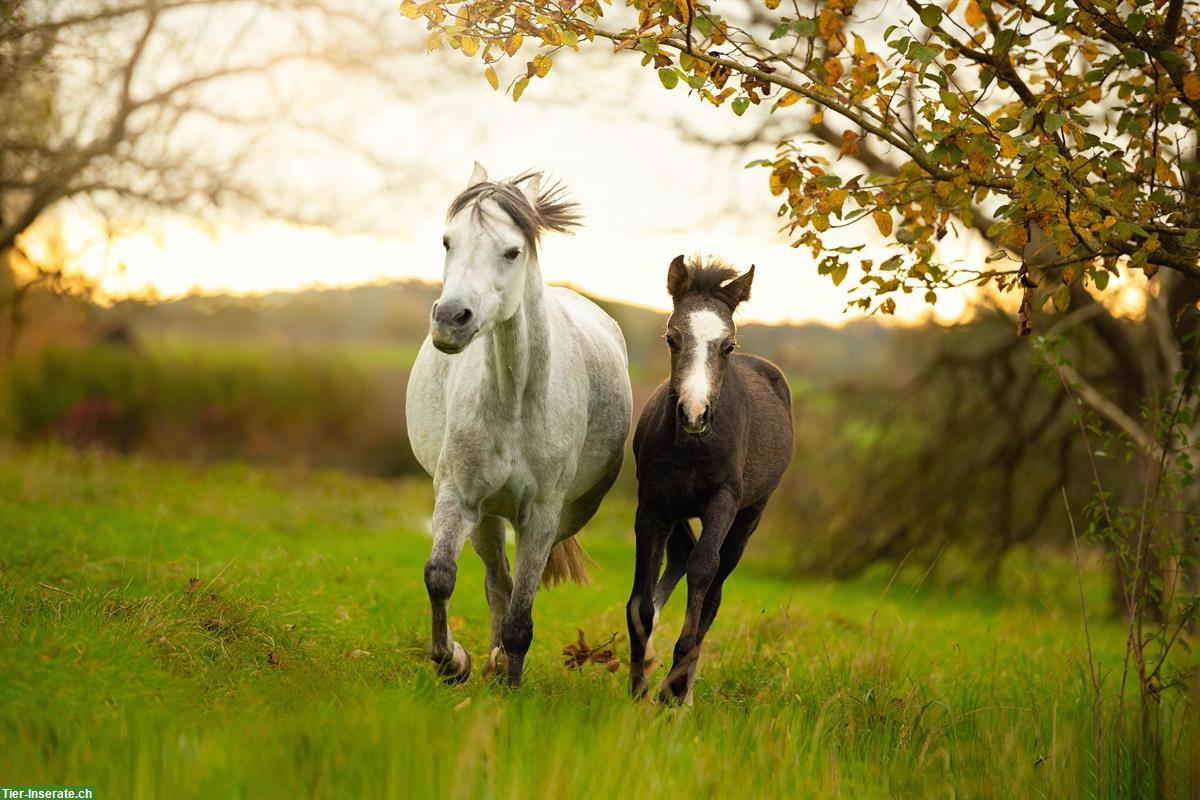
601,124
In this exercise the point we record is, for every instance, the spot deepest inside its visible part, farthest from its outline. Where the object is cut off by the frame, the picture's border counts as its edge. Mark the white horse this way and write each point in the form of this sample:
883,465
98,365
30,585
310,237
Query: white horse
518,406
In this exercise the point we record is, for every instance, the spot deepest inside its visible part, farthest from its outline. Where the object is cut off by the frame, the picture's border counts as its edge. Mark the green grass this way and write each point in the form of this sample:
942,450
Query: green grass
296,662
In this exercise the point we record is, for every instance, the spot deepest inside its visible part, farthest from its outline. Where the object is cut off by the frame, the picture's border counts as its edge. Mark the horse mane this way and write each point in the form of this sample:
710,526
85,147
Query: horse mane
552,211
709,277
705,277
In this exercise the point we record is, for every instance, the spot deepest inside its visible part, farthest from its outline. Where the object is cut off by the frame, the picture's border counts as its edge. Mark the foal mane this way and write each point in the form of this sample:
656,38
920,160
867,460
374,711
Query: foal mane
552,211
705,278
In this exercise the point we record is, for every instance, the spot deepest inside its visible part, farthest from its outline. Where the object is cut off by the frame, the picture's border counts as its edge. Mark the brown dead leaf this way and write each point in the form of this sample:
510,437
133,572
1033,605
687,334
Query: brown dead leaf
273,659
193,585
580,653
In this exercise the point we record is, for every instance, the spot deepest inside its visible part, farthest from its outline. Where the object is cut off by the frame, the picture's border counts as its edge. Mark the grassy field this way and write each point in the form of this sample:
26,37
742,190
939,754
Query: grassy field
172,631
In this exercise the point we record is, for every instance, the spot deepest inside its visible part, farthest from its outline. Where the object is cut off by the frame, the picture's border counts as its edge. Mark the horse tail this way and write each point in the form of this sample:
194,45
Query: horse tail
568,562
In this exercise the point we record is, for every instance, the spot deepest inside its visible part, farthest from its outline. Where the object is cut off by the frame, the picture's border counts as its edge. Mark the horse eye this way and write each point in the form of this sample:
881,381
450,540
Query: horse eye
445,243
672,342
728,348
512,253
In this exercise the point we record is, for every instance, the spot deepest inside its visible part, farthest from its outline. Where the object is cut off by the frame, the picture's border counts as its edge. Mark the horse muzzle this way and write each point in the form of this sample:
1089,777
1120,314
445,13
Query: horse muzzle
695,419
452,325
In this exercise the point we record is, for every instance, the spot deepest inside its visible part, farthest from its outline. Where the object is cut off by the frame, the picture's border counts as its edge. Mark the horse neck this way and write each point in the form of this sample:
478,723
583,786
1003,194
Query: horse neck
519,349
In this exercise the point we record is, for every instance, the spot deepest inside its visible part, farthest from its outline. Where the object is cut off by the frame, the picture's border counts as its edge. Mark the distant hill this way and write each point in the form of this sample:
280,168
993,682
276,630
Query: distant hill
396,313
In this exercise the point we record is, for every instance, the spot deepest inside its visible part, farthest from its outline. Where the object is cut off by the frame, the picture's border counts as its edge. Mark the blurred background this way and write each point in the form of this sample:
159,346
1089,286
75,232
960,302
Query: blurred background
220,230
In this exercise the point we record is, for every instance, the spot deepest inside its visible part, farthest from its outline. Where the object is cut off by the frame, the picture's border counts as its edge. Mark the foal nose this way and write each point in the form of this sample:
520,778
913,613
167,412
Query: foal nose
451,314
693,415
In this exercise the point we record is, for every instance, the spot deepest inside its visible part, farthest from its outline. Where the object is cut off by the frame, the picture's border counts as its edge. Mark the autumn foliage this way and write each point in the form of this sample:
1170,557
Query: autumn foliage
1061,130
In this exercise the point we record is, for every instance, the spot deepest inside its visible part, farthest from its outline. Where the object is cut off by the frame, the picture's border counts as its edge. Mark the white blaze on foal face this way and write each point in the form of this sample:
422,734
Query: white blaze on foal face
707,332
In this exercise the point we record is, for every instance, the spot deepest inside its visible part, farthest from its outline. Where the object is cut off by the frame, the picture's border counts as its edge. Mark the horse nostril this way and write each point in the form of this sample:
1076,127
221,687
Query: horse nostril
463,317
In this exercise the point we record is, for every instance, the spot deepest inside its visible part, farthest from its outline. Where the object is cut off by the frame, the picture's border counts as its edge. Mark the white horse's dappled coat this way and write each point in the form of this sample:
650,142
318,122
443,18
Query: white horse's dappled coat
518,406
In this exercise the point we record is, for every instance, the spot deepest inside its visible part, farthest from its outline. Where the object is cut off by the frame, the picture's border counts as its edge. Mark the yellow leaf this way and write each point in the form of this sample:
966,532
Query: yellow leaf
410,9
1090,51
542,64
833,70
433,42
514,43
860,47
776,183
817,118
974,14
830,21
849,144
469,45
1191,85
883,220
519,87
1008,146
789,98
772,4
490,74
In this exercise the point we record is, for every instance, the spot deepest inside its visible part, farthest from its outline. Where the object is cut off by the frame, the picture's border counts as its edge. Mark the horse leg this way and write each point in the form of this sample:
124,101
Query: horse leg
702,566
731,553
640,614
488,541
535,539
451,526
679,547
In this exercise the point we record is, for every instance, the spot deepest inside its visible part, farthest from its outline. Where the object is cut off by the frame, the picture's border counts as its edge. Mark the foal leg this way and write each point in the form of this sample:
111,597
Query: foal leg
731,553
451,525
488,541
679,547
702,566
535,539
640,613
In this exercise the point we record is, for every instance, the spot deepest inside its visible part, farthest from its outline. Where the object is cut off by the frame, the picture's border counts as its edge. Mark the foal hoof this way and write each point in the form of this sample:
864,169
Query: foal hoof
456,668
667,697
496,664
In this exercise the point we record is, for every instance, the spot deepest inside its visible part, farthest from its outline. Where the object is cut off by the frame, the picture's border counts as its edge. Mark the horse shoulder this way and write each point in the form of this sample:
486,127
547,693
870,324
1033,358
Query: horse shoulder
760,371
651,412
590,319
424,407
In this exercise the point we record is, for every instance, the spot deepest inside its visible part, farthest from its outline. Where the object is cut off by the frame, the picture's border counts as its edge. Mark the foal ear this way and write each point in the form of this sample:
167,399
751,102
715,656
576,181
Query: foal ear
677,277
738,289
478,175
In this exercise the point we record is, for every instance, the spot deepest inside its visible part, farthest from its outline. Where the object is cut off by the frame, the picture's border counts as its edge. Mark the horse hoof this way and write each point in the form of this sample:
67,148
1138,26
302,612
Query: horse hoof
457,668
673,695
639,687
516,669
496,664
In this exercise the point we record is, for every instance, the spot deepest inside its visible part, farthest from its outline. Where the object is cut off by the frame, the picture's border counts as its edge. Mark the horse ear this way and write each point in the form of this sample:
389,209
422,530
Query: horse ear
531,187
738,289
479,175
677,277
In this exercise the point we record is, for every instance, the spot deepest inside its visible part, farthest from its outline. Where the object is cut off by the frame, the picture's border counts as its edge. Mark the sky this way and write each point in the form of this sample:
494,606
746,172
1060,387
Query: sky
600,123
